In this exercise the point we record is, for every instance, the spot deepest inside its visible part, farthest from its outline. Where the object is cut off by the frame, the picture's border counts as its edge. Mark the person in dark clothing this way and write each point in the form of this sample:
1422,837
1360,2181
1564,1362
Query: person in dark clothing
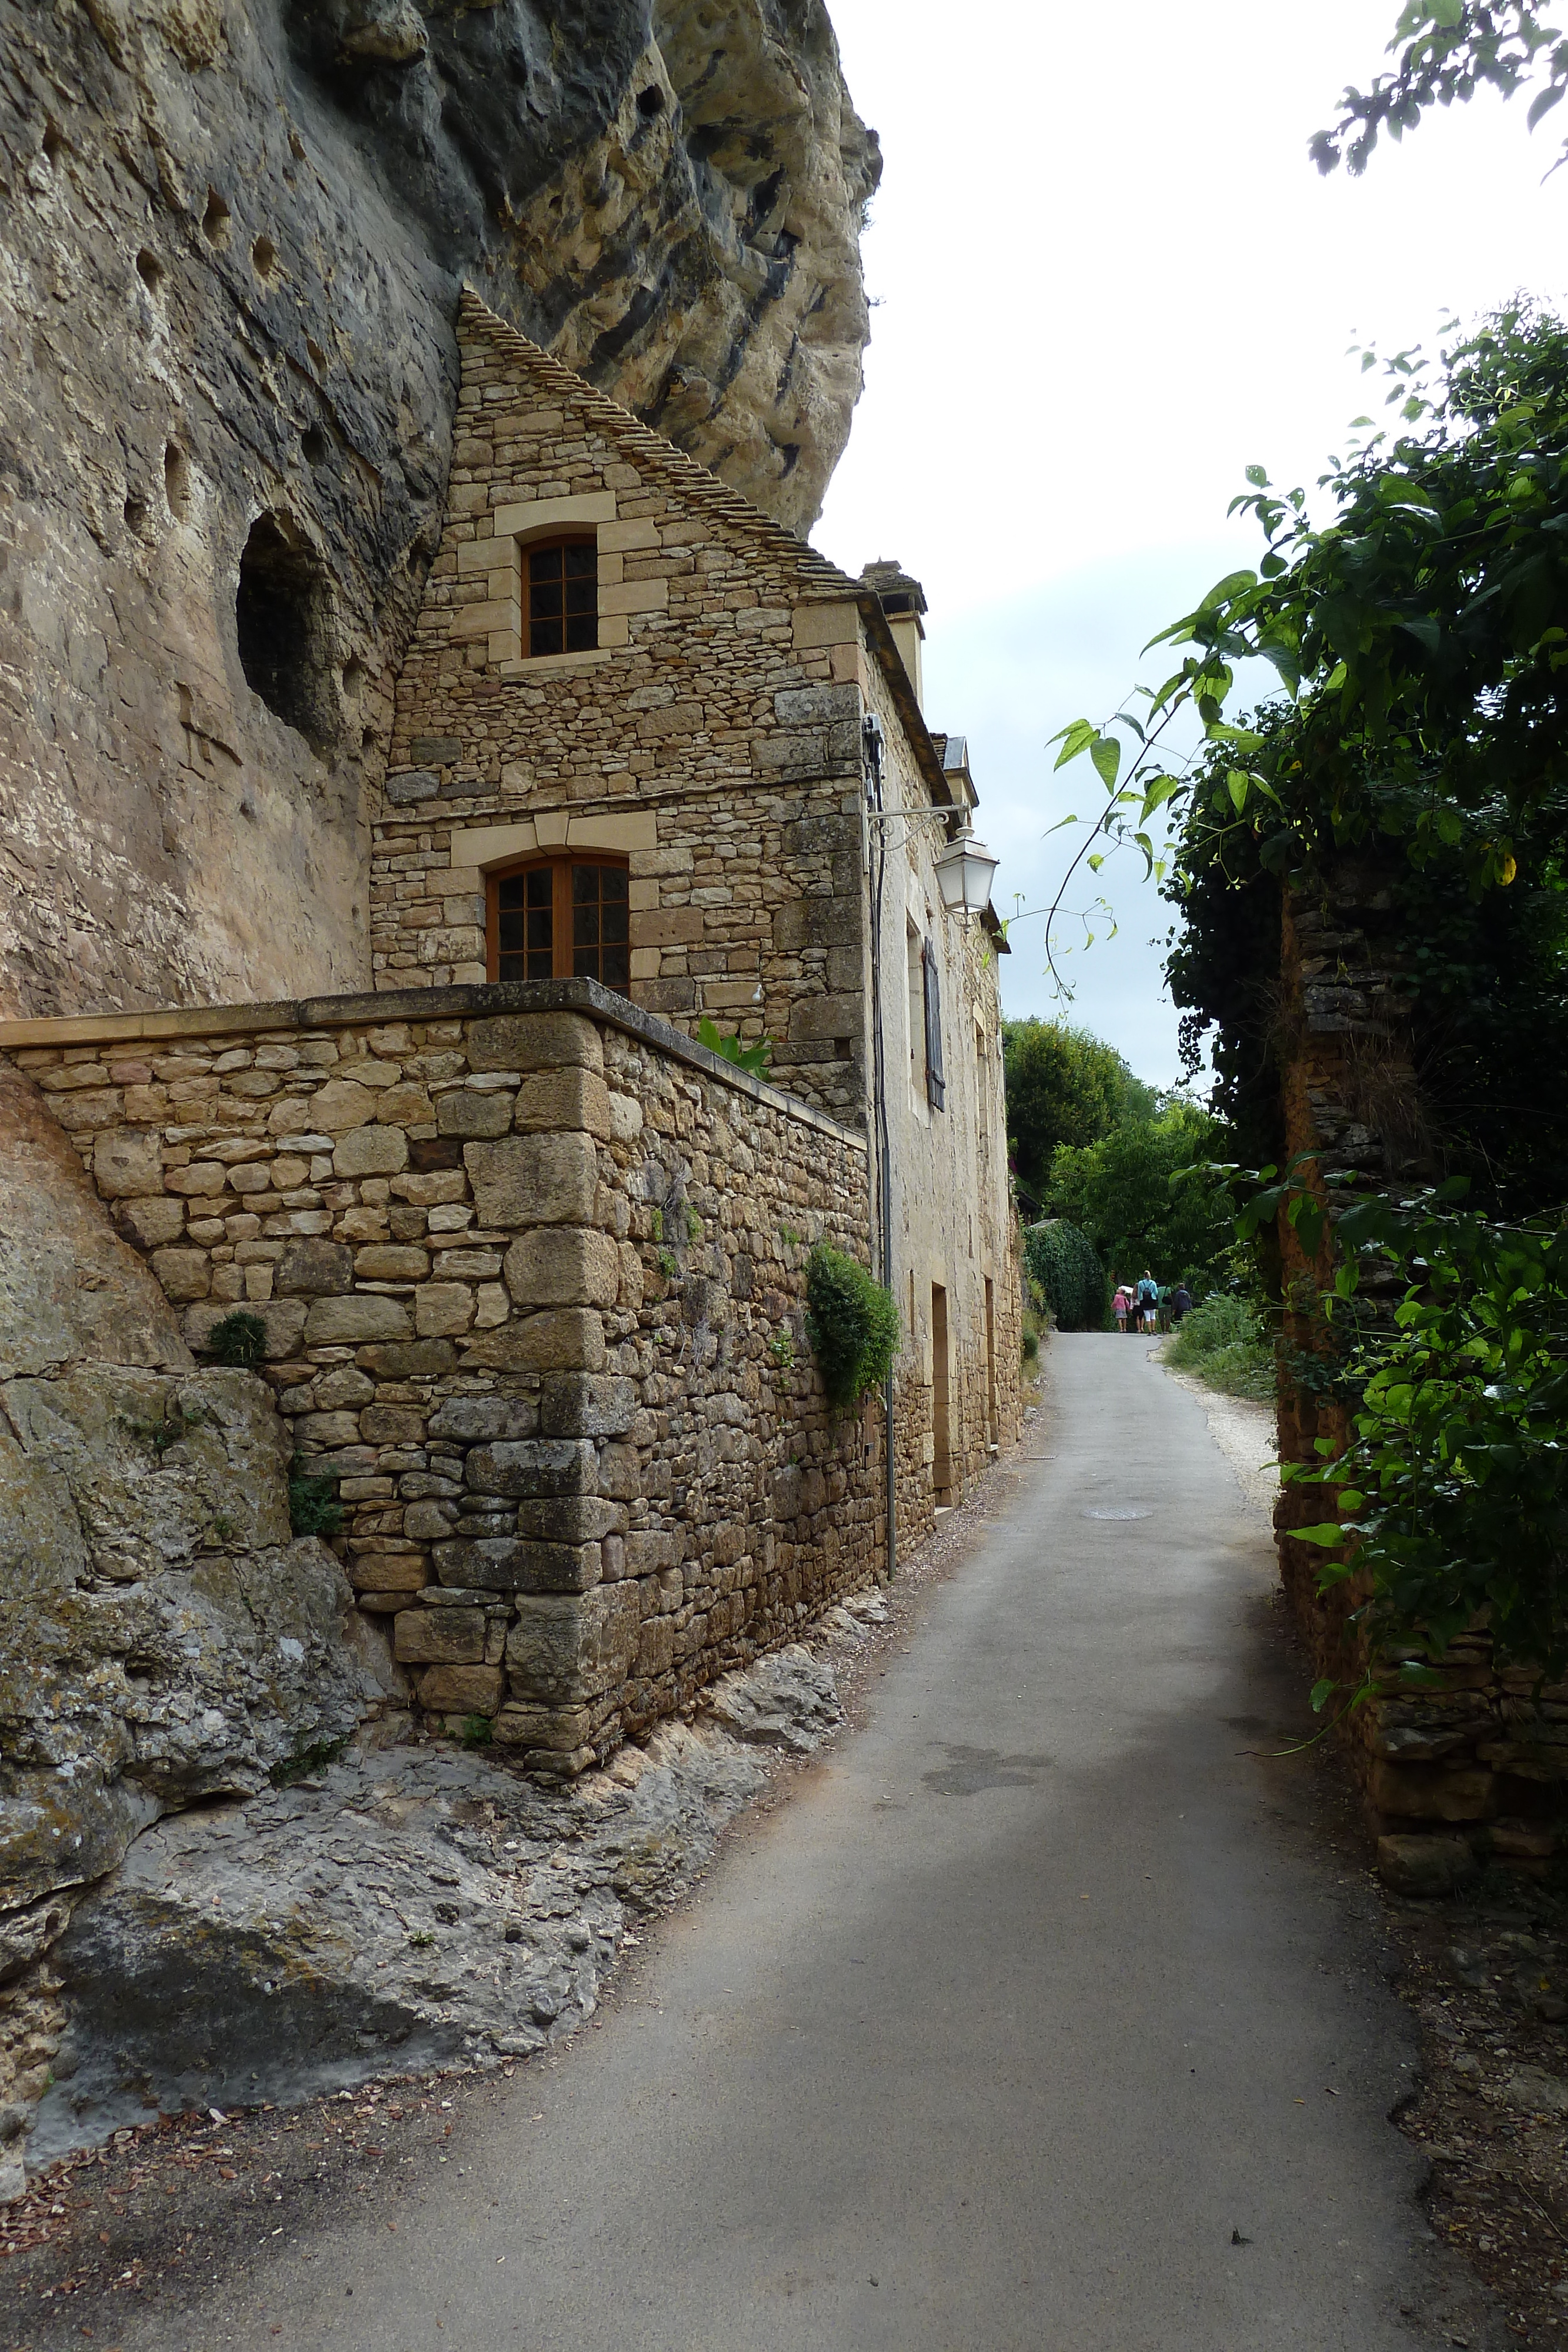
1181,1299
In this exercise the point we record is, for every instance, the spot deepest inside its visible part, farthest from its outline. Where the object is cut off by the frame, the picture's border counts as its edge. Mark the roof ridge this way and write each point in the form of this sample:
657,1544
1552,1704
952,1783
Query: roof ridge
628,431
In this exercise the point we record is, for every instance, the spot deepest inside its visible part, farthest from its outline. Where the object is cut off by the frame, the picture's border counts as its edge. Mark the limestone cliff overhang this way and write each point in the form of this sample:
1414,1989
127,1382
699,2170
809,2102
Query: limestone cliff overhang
377,1010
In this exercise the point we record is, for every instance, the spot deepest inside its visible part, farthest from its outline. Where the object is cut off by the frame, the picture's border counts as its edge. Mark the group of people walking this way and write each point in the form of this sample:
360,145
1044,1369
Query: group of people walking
1144,1306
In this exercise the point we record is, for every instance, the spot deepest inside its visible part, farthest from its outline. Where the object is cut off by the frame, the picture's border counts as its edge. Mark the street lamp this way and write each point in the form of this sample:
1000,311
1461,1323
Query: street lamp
966,871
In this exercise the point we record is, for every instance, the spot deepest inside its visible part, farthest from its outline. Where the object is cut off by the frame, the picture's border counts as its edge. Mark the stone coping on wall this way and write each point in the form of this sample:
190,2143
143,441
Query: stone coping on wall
378,1008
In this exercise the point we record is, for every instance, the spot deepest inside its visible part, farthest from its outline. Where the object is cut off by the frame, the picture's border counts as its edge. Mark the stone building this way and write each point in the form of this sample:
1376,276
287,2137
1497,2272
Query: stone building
531,1259
698,738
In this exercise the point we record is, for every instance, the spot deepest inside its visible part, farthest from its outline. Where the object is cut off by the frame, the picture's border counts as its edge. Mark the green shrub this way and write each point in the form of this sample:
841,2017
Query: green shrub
240,1339
852,1326
1222,1342
313,1505
1063,1261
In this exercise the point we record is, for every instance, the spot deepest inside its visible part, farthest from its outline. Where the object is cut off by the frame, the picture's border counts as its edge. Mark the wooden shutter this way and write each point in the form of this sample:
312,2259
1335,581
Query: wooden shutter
936,1086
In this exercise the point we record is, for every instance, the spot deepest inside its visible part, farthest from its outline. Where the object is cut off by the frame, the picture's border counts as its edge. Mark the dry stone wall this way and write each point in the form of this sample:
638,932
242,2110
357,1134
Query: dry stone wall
531,1271
1476,1763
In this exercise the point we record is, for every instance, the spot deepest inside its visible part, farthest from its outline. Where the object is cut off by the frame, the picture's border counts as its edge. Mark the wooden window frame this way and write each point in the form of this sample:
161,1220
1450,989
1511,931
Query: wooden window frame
559,863
528,550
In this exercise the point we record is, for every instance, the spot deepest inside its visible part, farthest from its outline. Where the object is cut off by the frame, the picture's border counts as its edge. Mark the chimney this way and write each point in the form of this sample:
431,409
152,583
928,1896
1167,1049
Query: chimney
903,599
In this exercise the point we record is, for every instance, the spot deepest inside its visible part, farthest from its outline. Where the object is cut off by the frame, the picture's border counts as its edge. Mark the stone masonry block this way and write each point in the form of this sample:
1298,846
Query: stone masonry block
372,1151
153,1222
416,1359
183,1273
653,1548
570,1519
127,1161
561,1339
577,1404
345,1322
442,1309
502,1564
530,1180
557,1729
340,1105
380,1571
827,1016
465,1111
562,1098
467,1418
314,1267
563,1265
529,1469
817,922
564,1648
439,1637
462,1690
535,1041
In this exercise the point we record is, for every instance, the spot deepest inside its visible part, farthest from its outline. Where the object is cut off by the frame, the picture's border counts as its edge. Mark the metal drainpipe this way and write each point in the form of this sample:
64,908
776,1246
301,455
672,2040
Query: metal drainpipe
870,737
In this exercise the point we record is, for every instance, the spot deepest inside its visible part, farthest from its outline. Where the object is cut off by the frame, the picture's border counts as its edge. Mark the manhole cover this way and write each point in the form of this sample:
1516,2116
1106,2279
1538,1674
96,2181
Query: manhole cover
1118,1515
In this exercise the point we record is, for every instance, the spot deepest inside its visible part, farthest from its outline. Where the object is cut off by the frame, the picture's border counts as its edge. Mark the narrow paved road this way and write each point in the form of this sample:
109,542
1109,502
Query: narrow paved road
1038,2017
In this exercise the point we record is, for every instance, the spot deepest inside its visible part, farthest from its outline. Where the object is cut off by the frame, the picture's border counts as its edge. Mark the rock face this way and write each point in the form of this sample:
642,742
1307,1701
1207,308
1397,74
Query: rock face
162,1636
405,1908
232,239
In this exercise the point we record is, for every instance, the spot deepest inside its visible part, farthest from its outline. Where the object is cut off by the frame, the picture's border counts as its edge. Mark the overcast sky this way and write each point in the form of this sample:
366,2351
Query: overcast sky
1107,280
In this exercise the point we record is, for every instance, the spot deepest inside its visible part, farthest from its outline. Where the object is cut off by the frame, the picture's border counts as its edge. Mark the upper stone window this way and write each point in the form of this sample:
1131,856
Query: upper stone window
560,597
560,919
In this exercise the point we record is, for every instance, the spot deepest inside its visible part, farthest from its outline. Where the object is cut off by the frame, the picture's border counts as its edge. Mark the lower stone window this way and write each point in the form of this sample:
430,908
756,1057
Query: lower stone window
560,919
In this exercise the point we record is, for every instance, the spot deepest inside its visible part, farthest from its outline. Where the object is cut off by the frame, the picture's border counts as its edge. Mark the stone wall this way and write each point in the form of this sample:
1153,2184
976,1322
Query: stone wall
1481,1752
531,1269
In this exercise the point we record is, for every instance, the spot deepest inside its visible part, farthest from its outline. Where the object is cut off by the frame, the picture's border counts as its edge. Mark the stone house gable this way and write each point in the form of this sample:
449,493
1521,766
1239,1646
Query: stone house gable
712,737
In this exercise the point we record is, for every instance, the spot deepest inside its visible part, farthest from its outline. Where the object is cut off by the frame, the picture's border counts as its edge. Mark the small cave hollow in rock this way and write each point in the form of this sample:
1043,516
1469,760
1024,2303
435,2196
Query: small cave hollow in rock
283,616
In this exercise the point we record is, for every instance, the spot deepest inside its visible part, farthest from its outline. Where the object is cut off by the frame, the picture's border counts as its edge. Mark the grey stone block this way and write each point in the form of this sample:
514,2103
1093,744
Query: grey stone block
586,1404
411,785
544,1468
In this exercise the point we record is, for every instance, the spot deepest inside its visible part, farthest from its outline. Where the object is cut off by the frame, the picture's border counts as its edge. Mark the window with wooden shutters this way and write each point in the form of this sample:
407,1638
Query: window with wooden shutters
560,597
560,919
936,1086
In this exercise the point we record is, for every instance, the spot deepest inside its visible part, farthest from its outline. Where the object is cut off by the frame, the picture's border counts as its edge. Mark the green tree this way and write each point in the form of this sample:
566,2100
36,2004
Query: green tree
1063,1087
1120,1192
1448,49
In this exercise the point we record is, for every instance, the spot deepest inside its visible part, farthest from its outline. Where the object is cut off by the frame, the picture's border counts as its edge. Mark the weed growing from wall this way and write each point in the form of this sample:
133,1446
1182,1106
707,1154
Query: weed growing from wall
239,1339
852,1326
313,1505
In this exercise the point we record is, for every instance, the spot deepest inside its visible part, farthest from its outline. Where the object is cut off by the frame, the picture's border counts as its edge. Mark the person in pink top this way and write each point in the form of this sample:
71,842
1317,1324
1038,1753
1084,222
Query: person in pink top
1121,1307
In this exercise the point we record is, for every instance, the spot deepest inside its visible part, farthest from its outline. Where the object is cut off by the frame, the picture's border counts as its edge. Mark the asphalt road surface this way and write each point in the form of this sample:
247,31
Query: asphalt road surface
1040,2016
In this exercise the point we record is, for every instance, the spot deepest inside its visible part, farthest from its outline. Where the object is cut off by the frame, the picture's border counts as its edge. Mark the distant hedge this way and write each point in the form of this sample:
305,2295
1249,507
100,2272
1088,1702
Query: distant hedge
1063,1261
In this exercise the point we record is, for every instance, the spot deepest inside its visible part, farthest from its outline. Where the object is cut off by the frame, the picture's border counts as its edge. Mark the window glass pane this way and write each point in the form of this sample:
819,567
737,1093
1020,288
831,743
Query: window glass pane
582,633
544,599
510,967
508,932
585,884
582,562
541,928
585,927
541,885
585,963
544,636
613,881
509,890
616,967
544,563
612,922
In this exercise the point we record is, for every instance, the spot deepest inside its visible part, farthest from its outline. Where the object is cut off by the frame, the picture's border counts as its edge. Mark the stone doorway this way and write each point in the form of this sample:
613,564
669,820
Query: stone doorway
942,1459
